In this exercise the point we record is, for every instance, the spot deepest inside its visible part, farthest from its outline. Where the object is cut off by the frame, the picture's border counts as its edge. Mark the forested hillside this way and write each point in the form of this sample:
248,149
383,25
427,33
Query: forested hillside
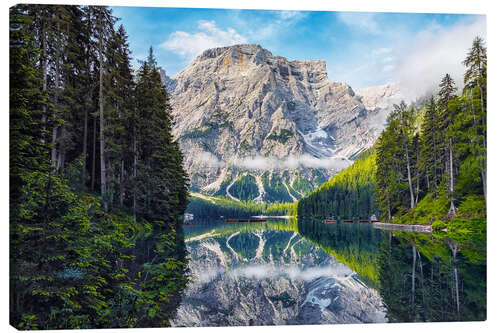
97,188
437,171
350,194
215,207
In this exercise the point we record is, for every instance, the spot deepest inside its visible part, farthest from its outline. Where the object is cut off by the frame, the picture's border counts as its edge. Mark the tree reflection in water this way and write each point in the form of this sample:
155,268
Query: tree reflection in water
421,277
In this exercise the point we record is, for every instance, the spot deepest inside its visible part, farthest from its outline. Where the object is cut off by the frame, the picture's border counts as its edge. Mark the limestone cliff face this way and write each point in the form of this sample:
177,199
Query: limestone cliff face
241,109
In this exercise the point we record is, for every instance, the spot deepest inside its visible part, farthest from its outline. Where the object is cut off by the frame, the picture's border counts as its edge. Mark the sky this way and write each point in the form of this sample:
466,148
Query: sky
360,49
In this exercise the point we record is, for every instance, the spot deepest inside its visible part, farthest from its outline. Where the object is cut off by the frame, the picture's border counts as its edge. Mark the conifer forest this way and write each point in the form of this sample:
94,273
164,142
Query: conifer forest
97,189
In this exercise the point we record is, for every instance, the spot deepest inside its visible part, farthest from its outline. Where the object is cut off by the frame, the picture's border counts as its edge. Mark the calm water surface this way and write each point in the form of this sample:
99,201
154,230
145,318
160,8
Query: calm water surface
306,272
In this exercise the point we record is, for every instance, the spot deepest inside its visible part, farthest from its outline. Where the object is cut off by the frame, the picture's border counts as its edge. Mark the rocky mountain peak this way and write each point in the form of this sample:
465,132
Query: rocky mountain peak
238,51
241,111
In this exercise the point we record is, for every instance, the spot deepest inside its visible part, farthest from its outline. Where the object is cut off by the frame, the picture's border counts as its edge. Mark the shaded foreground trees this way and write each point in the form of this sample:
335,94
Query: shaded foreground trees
81,255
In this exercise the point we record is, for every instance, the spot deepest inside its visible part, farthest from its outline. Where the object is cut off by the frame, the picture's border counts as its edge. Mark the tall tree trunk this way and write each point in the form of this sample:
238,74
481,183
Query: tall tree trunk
454,250
85,138
414,250
44,61
417,190
149,187
134,203
122,181
94,146
111,187
389,210
483,176
53,151
101,113
435,151
421,281
62,148
452,212
412,198
87,106
53,155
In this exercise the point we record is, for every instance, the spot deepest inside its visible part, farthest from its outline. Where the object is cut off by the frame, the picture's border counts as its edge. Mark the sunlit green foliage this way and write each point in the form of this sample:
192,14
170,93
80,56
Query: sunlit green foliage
435,173
350,194
227,208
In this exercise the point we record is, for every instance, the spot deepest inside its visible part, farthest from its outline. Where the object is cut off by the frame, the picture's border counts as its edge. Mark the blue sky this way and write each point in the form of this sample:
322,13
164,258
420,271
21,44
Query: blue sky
361,49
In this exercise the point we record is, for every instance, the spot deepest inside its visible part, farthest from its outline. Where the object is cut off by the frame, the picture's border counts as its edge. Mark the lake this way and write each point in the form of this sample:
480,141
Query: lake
305,272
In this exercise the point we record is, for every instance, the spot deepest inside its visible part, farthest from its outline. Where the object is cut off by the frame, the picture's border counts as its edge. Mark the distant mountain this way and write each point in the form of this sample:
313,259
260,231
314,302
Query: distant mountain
254,126
380,99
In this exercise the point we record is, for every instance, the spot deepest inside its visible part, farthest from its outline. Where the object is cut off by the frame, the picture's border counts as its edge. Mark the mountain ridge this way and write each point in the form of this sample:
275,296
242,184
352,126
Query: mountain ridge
242,110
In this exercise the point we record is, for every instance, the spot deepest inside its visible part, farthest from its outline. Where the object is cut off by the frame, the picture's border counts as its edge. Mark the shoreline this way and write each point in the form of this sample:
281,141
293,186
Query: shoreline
422,228
272,217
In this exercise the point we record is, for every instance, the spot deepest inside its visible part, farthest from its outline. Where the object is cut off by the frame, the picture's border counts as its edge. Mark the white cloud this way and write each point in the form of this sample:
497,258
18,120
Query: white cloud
291,162
284,19
361,21
381,51
388,68
210,160
373,68
265,271
291,15
267,163
388,59
189,45
434,52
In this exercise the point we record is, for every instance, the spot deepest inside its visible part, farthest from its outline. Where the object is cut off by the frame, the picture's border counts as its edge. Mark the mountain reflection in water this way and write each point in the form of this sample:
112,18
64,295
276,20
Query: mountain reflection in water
306,272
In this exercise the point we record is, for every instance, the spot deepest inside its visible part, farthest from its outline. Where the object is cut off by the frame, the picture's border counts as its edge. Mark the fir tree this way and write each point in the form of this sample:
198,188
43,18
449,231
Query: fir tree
432,146
446,95
475,86
73,263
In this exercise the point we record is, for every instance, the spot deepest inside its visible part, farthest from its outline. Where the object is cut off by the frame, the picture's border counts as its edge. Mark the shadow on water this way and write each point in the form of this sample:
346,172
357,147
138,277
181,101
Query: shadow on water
421,277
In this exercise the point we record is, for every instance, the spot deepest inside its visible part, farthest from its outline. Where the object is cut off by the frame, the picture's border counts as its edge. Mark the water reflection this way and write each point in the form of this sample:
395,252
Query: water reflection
427,279
267,274
308,272
421,277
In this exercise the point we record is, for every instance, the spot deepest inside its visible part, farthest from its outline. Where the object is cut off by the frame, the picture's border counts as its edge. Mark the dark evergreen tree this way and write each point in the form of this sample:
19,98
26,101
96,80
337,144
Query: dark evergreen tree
119,87
475,89
432,158
78,260
446,95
